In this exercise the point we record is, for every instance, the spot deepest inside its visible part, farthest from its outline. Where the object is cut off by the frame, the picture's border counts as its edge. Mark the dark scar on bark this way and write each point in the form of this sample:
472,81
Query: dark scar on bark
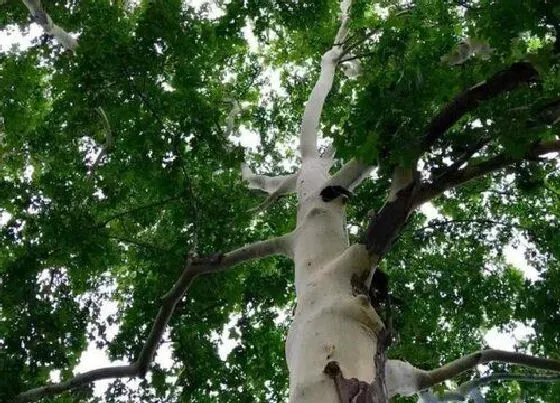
349,390
329,193
358,285
355,391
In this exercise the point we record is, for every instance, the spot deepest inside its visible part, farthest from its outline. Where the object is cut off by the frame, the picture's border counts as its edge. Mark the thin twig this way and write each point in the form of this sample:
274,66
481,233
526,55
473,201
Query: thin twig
482,221
140,208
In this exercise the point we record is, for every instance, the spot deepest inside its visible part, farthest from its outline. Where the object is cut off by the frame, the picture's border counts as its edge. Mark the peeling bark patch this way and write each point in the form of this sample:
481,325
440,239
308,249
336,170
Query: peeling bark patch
350,390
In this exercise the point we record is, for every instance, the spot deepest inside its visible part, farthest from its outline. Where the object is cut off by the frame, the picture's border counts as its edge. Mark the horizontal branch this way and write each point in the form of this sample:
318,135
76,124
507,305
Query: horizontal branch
501,82
77,381
194,266
454,368
450,180
280,184
275,186
405,379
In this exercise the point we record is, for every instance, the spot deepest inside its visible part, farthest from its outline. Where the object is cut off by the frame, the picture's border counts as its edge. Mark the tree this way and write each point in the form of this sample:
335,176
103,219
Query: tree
121,181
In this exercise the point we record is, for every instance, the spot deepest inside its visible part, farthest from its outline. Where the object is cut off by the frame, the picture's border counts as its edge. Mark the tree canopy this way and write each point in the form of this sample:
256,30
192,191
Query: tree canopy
120,157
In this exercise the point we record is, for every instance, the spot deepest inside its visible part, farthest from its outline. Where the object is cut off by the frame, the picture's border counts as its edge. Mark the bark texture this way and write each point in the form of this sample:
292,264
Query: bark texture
335,347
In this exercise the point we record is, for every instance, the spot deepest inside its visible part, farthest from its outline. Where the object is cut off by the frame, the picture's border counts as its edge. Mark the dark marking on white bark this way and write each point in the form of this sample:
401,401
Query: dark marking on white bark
379,288
359,285
355,391
330,193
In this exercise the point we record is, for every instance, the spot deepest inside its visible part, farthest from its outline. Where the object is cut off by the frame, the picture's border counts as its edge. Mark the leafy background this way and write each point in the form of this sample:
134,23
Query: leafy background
75,235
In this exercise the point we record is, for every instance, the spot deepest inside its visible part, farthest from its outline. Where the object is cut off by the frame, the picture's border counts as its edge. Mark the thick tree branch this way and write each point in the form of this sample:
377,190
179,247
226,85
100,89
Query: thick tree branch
350,175
384,227
194,266
45,21
452,179
281,184
77,381
402,378
313,108
454,368
501,82
275,186
405,379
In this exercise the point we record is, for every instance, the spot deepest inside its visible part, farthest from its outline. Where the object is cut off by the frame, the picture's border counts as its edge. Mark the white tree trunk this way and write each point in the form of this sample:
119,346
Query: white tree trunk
330,323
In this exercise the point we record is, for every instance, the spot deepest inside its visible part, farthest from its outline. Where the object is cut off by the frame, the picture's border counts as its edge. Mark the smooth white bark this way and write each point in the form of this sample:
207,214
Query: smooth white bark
310,124
275,186
405,379
330,322
352,68
402,378
281,184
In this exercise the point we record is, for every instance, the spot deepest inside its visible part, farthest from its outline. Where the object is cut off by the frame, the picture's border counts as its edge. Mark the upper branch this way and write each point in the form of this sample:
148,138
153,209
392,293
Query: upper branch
194,266
45,21
499,83
313,108
452,179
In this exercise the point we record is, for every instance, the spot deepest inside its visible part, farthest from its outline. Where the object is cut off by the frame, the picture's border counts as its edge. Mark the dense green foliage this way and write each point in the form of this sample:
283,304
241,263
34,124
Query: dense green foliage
76,233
